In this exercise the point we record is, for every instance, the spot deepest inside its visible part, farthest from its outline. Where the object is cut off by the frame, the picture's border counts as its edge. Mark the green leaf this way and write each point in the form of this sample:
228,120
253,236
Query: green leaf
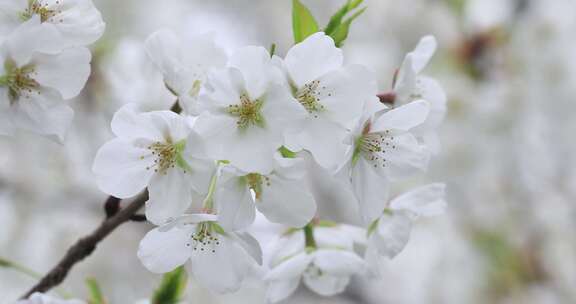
286,153
341,32
171,288
303,23
96,296
336,19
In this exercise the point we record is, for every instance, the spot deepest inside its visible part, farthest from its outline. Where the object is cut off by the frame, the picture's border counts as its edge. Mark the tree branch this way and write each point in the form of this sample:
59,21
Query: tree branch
86,245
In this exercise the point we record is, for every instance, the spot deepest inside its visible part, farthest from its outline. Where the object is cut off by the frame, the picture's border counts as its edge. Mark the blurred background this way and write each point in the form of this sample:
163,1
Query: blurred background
508,149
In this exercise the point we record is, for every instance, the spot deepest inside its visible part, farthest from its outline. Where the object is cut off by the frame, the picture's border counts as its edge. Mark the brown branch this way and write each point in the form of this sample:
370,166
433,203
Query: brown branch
86,245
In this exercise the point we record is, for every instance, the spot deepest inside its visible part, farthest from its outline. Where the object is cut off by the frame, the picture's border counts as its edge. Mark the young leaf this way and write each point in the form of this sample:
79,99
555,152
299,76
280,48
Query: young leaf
96,296
341,32
336,19
303,23
171,288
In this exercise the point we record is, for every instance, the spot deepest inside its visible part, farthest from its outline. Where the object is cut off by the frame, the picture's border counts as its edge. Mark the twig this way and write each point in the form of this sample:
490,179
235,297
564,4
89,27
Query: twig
86,245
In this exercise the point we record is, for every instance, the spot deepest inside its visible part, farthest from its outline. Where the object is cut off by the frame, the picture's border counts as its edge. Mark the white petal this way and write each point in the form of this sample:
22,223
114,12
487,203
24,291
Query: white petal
236,209
324,140
279,290
423,52
392,234
325,284
162,252
312,58
345,92
338,262
334,195
431,91
32,37
44,114
370,189
425,201
408,157
250,150
66,72
286,201
170,195
119,169
405,86
172,126
165,50
128,122
290,268
79,21
221,270
402,118
256,68
249,244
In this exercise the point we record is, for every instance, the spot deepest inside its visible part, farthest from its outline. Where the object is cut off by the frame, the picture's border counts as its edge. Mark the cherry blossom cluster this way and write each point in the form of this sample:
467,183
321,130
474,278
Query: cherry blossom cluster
44,62
258,133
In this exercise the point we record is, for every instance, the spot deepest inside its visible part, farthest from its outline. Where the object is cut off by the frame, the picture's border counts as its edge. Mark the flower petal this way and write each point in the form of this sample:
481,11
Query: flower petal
408,157
66,72
119,169
392,234
43,113
256,68
170,194
402,118
236,209
338,262
221,270
423,201
325,284
324,140
312,58
163,251
128,123
370,189
286,201
423,52
290,268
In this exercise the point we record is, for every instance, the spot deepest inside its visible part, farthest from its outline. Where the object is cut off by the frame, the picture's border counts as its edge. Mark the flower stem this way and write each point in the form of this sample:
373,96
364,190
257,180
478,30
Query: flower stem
309,236
209,200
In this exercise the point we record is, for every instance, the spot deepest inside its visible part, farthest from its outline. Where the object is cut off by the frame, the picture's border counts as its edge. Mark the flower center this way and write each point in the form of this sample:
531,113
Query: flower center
37,7
309,97
205,238
248,112
167,155
373,147
18,80
255,182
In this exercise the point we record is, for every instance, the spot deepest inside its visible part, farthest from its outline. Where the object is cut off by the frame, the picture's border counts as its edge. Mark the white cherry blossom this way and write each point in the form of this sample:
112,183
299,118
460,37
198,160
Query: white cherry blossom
282,196
219,260
325,269
384,150
36,75
157,150
332,94
185,63
411,85
78,21
247,111
389,234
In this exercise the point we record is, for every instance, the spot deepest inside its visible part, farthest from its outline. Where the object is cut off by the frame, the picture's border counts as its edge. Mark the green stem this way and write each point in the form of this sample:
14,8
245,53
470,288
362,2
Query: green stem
309,236
209,200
